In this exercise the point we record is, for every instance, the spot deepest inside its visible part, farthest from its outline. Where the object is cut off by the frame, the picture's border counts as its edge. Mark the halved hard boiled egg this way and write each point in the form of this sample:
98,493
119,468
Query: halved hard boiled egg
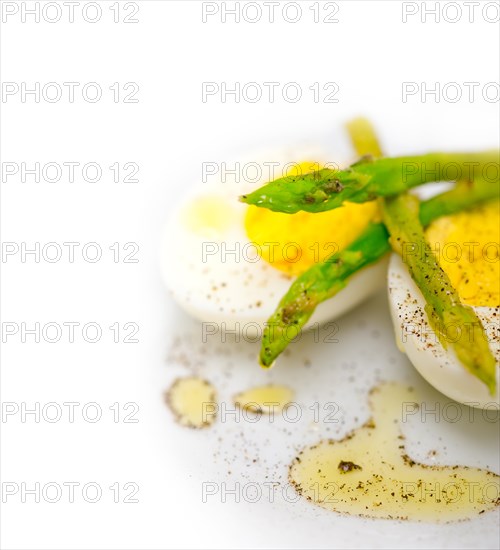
229,264
467,246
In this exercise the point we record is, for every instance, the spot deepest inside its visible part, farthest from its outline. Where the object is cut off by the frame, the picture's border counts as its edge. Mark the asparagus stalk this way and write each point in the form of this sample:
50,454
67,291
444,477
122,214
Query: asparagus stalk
325,279
363,137
317,284
443,306
368,179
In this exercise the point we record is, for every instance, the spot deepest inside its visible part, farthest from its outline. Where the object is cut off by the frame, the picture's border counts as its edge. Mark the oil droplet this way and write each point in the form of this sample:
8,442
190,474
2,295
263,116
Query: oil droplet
264,399
193,402
368,473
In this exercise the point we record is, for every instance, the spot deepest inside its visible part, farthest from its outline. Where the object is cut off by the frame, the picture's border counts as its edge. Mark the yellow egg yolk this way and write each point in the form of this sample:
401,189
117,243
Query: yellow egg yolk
467,246
293,243
208,215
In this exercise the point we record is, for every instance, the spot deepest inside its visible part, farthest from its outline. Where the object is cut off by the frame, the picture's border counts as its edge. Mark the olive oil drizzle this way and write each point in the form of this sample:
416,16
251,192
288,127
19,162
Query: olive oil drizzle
369,473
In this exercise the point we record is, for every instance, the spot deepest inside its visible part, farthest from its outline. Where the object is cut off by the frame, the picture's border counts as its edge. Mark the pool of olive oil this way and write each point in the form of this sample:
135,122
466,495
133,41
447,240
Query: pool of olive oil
265,399
192,400
368,473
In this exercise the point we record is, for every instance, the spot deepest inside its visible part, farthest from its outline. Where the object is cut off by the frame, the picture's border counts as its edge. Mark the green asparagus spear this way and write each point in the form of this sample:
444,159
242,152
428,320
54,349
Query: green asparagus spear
464,195
443,305
325,279
363,137
317,284
368,179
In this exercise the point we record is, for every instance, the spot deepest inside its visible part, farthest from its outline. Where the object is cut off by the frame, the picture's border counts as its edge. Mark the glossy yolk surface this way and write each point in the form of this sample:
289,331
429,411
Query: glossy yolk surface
294,242
467,245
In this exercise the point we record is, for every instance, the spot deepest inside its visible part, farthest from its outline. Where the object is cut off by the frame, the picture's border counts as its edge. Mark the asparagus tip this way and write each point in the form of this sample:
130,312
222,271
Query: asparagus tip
265,363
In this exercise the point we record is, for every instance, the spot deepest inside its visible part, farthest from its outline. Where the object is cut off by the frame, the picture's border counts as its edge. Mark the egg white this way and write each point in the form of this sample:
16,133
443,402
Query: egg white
238,292
414,337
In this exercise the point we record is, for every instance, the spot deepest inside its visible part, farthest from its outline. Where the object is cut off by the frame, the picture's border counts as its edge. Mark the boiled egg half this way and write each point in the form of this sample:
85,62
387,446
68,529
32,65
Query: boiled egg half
229,264
467,247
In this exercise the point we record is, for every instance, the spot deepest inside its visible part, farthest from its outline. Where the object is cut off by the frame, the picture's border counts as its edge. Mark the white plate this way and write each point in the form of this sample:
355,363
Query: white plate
238,457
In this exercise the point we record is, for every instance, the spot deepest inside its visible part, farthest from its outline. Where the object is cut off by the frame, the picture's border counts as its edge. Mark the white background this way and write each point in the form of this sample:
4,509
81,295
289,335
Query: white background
168,133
